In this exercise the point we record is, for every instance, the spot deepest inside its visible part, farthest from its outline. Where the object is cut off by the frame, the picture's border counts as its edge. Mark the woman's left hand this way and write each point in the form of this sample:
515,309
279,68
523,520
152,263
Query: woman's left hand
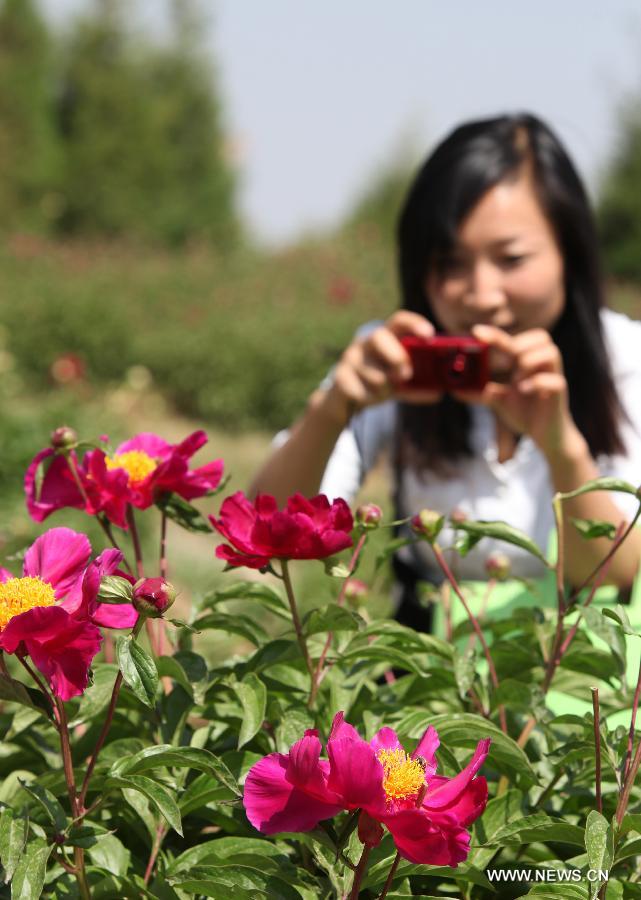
534,399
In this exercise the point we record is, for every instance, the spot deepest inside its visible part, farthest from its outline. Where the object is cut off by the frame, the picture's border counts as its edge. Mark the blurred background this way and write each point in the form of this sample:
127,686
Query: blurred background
197,199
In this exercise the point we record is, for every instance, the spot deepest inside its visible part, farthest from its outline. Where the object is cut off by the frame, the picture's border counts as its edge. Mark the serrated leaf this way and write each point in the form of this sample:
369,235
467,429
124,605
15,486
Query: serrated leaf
157,793
14,831
601,484
594,528
183,513
29,876
138,669
599,845
115,589
501,531
252,694
331,618
48,802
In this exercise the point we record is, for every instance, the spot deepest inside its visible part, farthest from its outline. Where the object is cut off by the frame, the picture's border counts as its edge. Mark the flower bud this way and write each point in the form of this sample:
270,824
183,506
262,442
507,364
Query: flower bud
427,524
370,832
458,516
356,592
497,566
152,597
368,516
64,438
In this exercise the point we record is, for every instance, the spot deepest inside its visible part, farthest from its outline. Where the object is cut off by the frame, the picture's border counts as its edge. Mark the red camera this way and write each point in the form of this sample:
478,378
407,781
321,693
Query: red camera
447,363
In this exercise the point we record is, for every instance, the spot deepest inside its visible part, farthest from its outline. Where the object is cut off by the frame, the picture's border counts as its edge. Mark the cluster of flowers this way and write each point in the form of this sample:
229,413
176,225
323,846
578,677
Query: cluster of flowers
426,814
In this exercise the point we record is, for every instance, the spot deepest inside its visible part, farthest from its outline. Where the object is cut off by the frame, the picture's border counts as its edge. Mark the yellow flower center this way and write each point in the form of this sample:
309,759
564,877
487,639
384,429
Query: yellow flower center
402,776
136,463
17,595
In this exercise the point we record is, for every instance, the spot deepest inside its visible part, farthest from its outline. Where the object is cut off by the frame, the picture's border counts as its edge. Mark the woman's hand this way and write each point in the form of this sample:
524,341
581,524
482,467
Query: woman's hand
534,399
373,368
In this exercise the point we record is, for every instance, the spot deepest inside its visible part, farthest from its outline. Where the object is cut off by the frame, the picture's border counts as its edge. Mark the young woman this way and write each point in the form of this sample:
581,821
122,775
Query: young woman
496,240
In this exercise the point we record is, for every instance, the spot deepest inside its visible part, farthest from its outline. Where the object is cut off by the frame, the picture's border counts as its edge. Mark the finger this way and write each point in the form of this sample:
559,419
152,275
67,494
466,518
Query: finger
383,349
502,356
544,385
542,357
405,322
533,337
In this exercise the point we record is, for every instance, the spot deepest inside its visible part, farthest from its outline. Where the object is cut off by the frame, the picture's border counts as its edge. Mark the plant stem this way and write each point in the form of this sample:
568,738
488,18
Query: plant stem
597,748
67,761
161,831
440,559
633,719
298,628
318,671
624,799
105,524
360,871
390,877
105,729
135,538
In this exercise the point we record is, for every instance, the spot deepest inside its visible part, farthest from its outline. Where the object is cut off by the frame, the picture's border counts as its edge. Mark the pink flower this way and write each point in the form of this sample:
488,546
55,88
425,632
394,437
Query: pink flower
137,473
288,791
46,615
152,597
426,814
259,531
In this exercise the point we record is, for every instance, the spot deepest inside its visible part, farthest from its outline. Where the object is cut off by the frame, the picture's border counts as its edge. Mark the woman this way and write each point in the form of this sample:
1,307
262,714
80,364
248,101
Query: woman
496,240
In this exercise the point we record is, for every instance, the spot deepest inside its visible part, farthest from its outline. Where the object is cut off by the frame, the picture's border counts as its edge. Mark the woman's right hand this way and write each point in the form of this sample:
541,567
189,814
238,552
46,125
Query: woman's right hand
373,367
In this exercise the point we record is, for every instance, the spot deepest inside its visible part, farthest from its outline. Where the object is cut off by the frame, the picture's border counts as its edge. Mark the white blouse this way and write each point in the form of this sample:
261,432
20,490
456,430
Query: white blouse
518,491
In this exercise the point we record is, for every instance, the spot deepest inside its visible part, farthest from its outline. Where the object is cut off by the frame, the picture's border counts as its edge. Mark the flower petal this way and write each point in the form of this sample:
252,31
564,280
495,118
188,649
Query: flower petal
420,841
446,793
273,804
386,739
60,557
55,490
427,747
356,775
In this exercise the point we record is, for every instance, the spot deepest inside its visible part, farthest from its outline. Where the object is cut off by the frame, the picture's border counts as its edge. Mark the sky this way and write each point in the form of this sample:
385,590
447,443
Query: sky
320,95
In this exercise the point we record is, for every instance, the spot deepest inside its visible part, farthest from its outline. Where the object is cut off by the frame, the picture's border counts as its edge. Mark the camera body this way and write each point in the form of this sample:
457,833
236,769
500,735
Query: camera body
447,363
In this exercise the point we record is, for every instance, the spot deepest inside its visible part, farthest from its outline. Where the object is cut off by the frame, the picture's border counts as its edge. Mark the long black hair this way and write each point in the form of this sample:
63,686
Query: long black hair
471,160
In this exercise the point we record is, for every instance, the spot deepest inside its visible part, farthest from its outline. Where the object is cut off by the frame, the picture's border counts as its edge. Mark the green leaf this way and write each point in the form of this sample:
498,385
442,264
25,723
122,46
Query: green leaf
250,590
244,626
252,694
501,531
336,568
593,528
601,484
48,802
109,853
331,618
207,878
220,849
159,795
464,669
599,844
16,692
166,755
29,876
115,589
538,828
382,653
138,669
620,616
98,694
14,830
465,730
203,790
183,513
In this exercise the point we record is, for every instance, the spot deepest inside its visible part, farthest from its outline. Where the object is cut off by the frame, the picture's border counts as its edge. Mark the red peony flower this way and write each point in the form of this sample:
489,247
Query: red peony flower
259,531
46,613
140,470
426,814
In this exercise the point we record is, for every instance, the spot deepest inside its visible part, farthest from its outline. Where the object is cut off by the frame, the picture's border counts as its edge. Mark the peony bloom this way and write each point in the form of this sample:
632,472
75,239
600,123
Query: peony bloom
259,531
46,613
288,791
137,473
426,814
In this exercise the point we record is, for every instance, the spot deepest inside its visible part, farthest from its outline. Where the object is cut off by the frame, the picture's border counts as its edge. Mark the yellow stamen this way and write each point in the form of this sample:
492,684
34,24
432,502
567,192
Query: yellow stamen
17,595
136,463
403,777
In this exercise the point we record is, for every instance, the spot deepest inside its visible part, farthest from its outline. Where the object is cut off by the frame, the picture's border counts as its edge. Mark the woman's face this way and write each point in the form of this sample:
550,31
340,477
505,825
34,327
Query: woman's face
506,268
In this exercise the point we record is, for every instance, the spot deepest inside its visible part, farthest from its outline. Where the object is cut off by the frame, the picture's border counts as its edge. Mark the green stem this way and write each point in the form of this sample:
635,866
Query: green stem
105,728
597,748
135,537
298,628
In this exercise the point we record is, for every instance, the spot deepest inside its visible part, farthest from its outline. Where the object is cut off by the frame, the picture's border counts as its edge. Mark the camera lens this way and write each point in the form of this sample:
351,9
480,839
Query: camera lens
458,367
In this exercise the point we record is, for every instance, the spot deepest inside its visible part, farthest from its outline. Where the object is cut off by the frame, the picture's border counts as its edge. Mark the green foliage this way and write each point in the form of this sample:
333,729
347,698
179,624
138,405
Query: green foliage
29,151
